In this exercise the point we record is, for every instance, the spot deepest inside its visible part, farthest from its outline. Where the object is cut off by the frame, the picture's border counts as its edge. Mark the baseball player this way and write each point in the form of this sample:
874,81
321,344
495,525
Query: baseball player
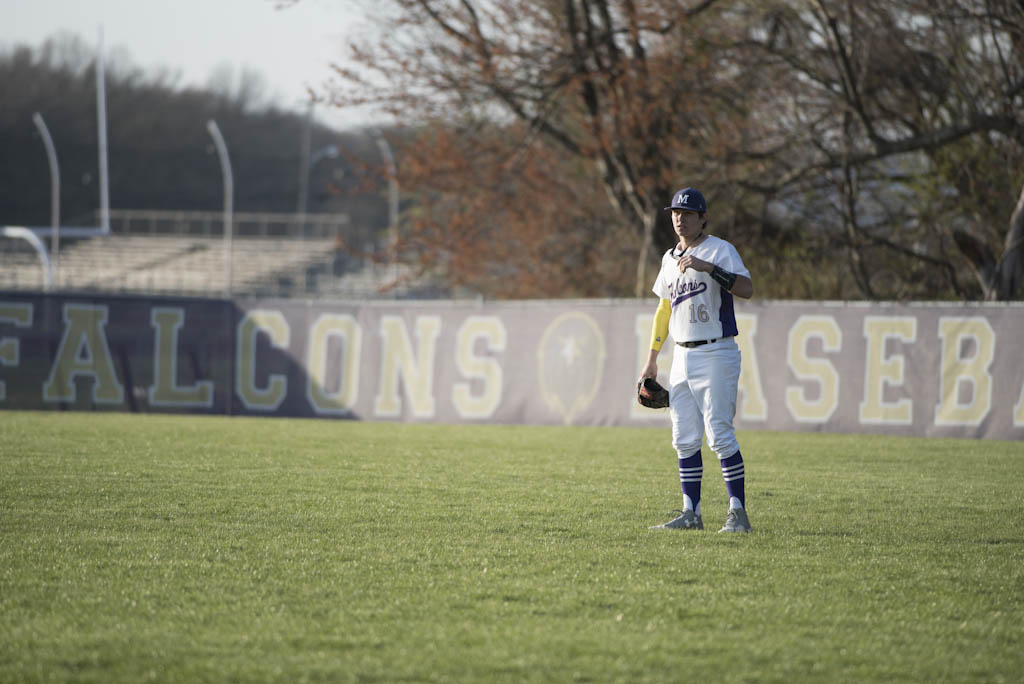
698,279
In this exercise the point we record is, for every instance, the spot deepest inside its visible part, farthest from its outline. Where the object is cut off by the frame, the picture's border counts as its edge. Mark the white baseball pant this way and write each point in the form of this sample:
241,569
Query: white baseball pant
702,397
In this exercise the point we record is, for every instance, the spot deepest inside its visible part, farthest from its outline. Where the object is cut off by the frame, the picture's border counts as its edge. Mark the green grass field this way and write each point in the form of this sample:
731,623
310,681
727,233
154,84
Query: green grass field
197,549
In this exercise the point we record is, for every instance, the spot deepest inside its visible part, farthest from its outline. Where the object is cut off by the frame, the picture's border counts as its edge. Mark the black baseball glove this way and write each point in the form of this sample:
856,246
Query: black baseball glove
651,394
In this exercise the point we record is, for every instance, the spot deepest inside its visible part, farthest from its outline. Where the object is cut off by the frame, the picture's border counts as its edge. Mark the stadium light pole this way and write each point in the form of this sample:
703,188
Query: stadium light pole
51,156
307,137
101,134
325,152
229,193
101,137
29,236
389,160
32,235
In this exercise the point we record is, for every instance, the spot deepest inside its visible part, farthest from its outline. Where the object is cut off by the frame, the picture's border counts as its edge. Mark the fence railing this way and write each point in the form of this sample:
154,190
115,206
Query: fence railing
211,223
182,252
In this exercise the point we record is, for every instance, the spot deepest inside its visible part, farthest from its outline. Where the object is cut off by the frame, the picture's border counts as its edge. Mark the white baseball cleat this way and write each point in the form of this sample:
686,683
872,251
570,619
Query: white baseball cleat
686,520
736,521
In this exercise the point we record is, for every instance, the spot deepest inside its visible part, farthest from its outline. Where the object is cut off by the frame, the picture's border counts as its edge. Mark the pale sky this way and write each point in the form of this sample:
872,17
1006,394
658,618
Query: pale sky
291,48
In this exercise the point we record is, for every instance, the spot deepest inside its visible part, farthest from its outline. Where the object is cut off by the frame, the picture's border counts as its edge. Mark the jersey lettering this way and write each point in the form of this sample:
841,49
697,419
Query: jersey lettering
682,290
701,309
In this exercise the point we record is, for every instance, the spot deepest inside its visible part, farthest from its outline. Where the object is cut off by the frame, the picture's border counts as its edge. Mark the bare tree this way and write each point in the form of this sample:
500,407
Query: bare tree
884,132
913,113
631,89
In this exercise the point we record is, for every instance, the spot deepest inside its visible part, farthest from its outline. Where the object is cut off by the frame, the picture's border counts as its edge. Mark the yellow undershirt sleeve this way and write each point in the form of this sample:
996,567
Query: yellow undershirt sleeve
659,331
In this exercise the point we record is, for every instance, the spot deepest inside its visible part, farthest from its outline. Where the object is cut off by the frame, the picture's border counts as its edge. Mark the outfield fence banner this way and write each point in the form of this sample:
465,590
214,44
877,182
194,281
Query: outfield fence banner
948,369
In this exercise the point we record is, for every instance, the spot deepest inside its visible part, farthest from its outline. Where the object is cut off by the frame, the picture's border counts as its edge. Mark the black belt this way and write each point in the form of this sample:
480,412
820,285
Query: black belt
695,343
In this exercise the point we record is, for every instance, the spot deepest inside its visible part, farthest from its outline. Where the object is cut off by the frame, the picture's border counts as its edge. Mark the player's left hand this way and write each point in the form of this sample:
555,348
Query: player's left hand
689,261
651,394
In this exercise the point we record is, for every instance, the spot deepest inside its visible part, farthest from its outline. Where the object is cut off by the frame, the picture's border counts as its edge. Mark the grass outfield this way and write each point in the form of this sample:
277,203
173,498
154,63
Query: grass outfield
161,548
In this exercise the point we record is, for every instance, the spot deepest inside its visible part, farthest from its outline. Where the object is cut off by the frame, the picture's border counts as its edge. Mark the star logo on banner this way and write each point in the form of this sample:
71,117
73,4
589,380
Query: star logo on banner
570,350
570,364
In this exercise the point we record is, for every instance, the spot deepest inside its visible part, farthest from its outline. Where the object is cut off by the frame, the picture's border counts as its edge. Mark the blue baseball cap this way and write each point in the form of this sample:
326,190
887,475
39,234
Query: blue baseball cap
689,199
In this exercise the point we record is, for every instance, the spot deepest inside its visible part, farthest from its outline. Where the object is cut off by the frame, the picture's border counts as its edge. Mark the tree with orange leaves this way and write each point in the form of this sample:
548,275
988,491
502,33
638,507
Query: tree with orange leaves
550,134
858,150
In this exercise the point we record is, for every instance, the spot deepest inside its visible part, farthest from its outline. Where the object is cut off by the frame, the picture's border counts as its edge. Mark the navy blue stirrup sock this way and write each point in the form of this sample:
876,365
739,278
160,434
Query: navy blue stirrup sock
691,469
732,471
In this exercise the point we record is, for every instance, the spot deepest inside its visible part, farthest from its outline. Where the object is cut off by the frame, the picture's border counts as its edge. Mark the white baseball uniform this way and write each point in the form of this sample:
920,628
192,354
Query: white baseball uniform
705,374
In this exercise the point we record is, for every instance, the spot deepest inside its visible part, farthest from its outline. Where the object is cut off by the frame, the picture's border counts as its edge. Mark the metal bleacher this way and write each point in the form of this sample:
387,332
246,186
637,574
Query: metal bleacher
184,253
